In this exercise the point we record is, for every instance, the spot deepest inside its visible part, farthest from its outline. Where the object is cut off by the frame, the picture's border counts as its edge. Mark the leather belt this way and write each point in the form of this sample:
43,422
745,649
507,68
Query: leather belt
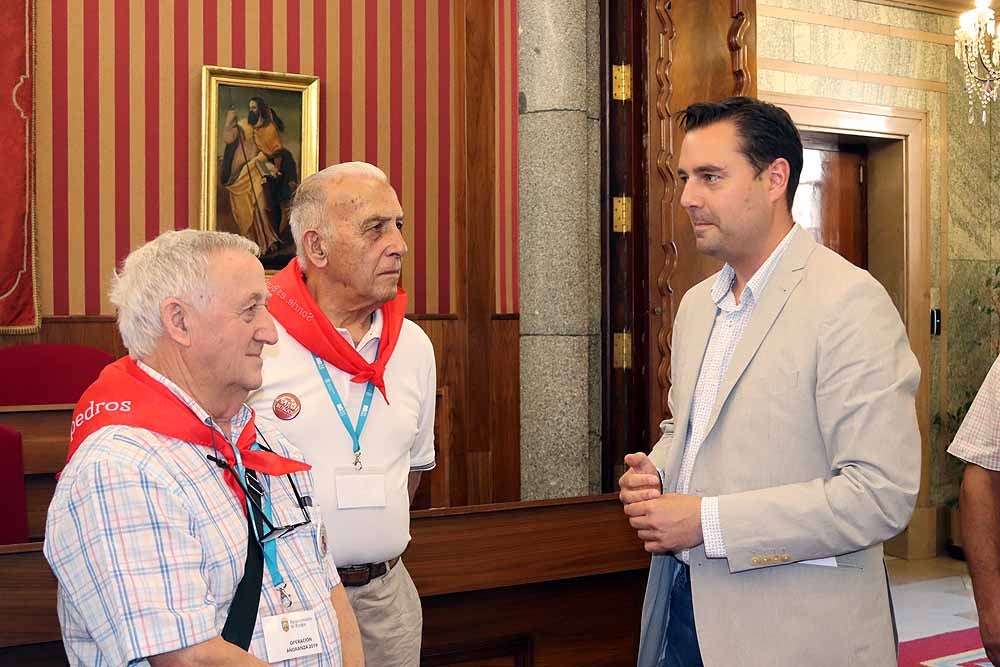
361,575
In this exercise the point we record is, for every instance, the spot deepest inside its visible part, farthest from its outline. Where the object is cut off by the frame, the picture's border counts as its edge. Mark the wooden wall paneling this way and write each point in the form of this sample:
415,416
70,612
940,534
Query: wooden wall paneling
944,7
98,331
440,480
27,597
516,651
591,621
569,575
38,490
45,438
698,51
447,336
479,475
479,217
505,409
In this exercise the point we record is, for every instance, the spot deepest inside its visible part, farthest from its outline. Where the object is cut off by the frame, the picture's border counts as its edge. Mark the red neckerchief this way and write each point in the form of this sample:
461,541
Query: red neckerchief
124,394
293,306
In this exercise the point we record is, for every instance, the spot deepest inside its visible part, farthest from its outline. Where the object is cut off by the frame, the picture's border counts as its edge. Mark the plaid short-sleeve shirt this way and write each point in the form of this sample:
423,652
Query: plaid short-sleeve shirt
148,544
978,439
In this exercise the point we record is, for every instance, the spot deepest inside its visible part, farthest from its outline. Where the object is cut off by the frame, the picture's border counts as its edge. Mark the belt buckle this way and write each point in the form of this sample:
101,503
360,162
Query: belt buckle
365,573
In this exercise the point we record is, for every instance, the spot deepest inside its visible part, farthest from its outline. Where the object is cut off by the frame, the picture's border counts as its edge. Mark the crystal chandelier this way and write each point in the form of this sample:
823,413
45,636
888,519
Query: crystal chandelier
974,47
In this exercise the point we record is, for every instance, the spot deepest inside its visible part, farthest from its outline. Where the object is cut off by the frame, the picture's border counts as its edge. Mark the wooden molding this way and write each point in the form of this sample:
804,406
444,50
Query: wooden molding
667,171
944,7
738,48
814,18
852,75
45,407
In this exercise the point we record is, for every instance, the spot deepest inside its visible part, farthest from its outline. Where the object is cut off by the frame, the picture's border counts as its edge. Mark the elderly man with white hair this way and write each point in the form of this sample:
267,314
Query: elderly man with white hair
342,336
182,532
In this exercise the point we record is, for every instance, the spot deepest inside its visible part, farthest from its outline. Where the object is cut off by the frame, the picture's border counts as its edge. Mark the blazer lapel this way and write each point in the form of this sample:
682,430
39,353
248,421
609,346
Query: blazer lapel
695,335
786,276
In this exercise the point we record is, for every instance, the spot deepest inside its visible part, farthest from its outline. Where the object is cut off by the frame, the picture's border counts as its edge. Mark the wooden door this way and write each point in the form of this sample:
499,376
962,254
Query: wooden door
681,53
697,51
830,200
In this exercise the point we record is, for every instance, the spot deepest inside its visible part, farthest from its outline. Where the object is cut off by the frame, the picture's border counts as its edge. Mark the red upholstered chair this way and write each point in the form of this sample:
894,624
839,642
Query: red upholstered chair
48,374
40,385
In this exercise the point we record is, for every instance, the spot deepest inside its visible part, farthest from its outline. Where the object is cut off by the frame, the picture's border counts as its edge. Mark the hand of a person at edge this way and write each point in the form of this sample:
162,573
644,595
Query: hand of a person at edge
668,523
641,481
989,630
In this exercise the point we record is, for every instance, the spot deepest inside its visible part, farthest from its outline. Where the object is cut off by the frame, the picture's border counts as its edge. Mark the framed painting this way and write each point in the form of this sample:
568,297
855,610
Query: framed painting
260,138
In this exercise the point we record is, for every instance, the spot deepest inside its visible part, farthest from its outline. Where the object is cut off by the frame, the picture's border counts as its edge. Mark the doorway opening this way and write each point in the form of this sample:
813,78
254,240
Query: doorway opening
851,199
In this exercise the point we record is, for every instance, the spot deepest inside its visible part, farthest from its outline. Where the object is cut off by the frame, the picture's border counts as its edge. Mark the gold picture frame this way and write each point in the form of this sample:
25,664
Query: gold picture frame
259,139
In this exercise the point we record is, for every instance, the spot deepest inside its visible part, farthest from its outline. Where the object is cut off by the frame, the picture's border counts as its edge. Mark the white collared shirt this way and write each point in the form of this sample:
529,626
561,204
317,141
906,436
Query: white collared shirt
978,438
398,437
731,320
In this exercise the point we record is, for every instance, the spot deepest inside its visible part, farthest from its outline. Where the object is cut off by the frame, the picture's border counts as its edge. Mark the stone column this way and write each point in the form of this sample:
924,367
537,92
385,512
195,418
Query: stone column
559,246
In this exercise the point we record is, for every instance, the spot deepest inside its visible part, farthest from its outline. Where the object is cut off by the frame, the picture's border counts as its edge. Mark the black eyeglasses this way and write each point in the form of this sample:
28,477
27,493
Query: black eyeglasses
255,494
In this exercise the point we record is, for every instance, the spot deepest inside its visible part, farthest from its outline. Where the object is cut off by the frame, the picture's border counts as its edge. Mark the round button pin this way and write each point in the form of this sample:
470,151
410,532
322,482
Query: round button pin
286,406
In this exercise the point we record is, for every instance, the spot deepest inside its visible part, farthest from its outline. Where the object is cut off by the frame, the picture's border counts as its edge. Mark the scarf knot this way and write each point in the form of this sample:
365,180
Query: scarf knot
293,305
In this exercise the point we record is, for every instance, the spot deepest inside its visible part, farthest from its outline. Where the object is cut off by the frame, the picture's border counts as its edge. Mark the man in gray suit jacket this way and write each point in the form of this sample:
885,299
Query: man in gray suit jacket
793,451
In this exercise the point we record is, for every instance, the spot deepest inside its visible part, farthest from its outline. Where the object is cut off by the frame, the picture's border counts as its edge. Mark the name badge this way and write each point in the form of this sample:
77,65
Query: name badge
360,488
291,635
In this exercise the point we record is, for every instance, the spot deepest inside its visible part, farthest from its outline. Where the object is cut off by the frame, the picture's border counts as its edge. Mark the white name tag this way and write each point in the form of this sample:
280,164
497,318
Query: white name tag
365,488
824,562
291,635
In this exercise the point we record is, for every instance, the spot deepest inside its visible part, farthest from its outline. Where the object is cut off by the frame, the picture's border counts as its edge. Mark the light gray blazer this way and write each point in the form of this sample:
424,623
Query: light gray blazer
814,451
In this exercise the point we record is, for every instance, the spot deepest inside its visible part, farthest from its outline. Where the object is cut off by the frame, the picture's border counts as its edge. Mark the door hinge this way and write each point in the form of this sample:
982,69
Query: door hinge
861,173
621,82
622,350
622,214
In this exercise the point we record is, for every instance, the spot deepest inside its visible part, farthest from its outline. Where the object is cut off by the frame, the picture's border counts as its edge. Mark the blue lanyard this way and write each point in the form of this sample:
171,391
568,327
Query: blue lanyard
270,548
366,404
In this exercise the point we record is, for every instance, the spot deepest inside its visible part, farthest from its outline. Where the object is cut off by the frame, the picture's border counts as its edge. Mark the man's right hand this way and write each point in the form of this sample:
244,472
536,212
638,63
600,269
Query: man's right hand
641,481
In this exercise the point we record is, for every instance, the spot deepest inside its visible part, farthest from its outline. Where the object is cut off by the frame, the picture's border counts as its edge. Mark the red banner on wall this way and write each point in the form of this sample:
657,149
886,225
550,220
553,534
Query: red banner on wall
18,284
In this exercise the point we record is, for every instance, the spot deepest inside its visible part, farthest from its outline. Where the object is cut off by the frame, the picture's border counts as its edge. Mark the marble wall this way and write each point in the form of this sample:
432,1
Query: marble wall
970,226
559,247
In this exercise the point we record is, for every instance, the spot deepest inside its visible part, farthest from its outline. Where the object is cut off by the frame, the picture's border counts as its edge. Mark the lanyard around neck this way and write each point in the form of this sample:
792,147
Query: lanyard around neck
269,548
353,430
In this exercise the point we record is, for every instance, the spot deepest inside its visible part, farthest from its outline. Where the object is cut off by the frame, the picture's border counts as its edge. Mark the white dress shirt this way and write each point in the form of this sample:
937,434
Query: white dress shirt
731,320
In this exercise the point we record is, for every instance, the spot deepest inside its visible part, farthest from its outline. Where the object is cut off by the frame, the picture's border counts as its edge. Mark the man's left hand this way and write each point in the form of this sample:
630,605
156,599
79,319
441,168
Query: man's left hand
671,522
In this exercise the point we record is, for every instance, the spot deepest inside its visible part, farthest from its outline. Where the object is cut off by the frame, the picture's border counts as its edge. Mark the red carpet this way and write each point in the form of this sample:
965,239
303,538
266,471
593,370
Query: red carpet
963,648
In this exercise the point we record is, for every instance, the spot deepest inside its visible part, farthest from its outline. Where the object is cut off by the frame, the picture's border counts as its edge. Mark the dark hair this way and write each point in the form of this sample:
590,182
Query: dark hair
268,113
765,130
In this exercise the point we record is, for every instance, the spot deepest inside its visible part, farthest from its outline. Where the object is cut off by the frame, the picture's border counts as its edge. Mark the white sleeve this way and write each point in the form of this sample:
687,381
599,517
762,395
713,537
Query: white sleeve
422,452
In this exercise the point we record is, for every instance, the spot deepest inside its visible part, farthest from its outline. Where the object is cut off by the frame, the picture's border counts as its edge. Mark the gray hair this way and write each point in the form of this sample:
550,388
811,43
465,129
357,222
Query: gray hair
309,208
174,264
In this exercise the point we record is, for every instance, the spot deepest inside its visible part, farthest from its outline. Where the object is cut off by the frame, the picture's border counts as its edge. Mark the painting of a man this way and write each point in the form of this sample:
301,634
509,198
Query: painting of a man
259,139
258,173
258,169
